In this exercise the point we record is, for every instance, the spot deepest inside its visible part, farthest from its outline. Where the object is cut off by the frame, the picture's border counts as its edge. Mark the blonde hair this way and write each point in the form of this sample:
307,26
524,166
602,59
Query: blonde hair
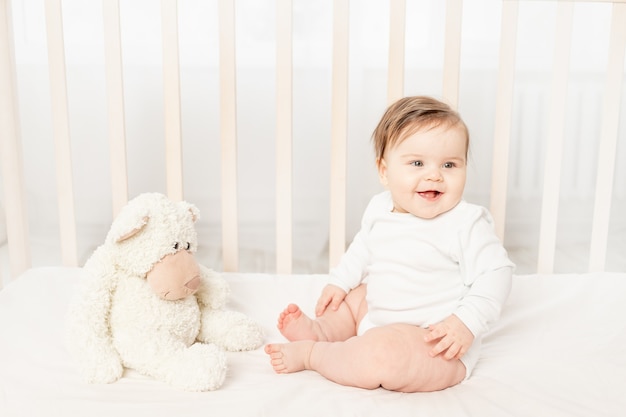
410,115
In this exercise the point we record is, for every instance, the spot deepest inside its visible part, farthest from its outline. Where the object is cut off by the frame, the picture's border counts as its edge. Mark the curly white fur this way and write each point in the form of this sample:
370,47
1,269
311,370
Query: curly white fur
118,321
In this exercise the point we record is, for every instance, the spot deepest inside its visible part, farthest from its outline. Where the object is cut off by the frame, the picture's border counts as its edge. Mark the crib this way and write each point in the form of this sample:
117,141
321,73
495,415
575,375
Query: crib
260,114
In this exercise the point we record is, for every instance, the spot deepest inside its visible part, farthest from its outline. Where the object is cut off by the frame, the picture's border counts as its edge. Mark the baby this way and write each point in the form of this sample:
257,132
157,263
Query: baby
424,277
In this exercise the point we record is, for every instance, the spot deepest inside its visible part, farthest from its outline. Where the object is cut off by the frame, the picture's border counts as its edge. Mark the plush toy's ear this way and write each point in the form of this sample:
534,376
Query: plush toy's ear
195,213
133,231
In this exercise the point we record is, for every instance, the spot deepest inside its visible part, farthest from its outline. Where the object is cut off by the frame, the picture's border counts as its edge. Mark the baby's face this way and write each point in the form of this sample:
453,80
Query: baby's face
426,172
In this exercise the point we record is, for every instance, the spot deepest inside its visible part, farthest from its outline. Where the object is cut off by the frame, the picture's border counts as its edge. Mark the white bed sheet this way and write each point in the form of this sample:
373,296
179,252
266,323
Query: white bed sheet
558,350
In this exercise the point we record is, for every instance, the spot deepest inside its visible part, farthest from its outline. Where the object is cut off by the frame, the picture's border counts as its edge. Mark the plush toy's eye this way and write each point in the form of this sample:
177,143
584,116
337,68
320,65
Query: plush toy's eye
176,245
188,246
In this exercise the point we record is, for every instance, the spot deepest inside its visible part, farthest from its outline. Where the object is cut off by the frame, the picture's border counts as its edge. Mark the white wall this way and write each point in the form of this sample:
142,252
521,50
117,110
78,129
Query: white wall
255,39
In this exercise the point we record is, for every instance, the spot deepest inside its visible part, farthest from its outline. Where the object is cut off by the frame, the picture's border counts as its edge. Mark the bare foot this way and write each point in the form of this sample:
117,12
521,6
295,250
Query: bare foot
295,325
290,357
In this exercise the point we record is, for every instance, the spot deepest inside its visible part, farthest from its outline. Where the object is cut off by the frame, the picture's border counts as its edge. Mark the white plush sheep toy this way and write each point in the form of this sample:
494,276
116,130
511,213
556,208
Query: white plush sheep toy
149,306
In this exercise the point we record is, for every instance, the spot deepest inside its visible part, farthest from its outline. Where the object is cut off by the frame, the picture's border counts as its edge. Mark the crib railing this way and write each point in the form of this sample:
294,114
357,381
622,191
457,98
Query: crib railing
11,152
12,165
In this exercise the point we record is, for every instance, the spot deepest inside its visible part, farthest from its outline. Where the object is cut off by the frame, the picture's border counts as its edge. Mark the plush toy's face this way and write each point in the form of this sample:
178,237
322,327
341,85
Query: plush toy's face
175,276
155,238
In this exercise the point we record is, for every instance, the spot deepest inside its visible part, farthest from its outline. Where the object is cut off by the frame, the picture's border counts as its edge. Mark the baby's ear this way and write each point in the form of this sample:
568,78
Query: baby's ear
381,165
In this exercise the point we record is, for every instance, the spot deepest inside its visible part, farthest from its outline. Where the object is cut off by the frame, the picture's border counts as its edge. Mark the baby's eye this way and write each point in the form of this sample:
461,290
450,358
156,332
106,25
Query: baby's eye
417,163
449,165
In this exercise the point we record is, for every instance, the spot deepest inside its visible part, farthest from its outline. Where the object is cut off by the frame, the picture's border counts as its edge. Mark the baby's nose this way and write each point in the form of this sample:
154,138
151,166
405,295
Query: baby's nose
434,175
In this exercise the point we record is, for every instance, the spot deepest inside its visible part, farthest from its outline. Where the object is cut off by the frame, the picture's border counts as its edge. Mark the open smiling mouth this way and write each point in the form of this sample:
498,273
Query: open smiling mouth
430,195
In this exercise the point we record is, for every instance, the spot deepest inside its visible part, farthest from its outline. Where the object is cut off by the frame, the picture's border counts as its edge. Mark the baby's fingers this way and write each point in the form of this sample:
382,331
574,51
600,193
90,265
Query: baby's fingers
453,352
321,305
434,333
439,347
331,302
335,302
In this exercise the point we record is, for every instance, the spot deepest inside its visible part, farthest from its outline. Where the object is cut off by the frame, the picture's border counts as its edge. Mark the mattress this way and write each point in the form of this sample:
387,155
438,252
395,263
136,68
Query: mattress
558,350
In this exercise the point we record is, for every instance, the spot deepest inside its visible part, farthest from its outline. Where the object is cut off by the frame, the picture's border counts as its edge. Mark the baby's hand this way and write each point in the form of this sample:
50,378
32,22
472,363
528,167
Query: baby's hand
332,296
453,336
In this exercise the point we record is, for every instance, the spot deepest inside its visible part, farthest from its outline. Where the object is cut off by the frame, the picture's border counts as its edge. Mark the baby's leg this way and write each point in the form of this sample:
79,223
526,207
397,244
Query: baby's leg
333,325
394,357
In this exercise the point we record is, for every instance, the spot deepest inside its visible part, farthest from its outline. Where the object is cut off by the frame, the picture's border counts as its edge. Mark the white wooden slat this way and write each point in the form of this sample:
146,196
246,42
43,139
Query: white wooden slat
11,152
115,103
284,136
608,139
61,132
554,141
452,52
228,133
171,100
339,129
504,107
395,71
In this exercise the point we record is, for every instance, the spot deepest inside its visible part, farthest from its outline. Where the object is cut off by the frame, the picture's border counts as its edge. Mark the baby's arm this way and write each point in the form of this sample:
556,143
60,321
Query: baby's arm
488,274
350,271
332,296
346,276
480,306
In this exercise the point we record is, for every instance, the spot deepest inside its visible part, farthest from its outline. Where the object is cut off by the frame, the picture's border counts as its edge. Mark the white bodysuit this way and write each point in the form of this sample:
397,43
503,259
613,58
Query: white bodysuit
420,271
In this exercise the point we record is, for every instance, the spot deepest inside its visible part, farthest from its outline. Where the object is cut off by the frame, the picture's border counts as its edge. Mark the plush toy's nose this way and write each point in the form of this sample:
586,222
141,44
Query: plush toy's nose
193,283
175,276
